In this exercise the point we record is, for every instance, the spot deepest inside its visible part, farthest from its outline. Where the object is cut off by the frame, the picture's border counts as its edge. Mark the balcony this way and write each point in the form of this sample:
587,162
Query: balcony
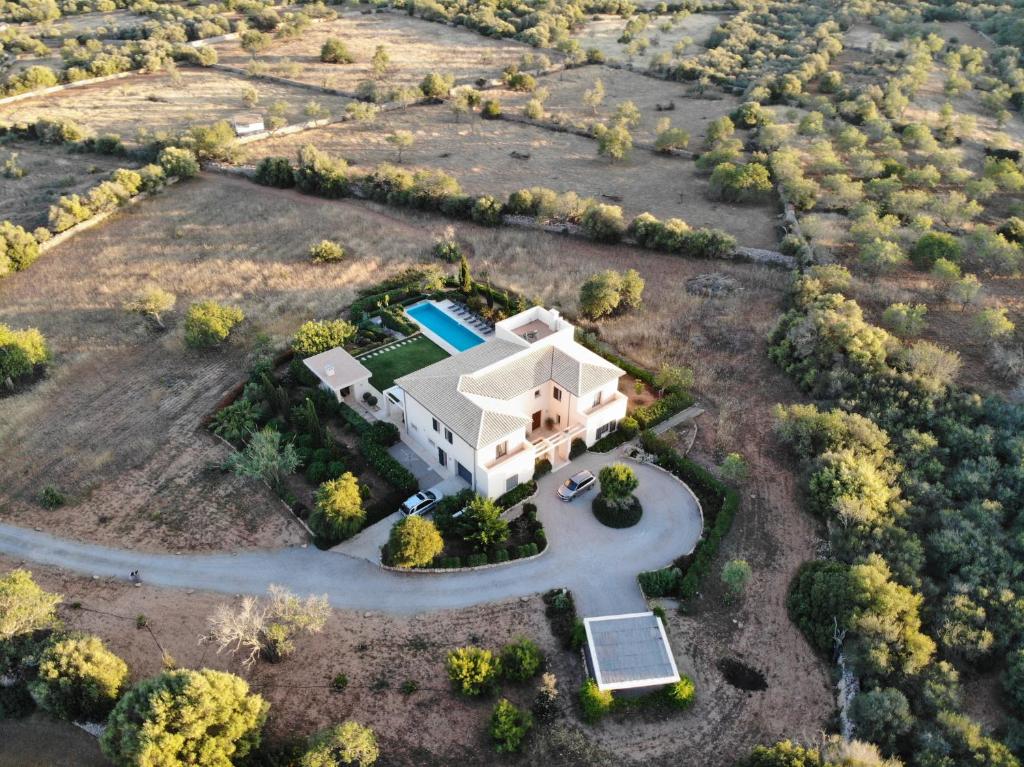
513,452
607,405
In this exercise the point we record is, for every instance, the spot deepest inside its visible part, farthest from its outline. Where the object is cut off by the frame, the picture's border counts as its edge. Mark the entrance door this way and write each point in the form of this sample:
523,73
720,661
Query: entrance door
442,457
536,420
465,473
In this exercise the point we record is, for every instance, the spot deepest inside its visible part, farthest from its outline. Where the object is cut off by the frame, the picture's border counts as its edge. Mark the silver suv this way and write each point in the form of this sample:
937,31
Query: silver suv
577,484
419,504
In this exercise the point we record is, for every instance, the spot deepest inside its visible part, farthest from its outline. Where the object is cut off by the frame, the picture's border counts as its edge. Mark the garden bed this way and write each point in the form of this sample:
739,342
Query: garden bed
526,536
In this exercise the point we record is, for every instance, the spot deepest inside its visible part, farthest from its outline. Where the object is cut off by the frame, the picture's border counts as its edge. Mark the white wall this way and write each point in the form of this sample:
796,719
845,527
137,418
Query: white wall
419,426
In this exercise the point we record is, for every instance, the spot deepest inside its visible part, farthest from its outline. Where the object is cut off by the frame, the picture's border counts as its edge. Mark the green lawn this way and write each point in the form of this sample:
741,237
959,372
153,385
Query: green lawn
400,360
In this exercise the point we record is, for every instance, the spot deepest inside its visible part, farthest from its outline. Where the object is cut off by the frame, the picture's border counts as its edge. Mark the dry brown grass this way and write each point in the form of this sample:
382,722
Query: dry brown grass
52,173
137,107
479,156
603,33
416,47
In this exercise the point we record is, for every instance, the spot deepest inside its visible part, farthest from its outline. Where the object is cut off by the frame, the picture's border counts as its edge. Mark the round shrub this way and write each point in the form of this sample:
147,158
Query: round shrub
276,172
314,337
624,512
208,323
334,51
487,210
339,512
617,481
932,246
603,223
79,679
681,694
509,726
326,251
179,162
414,542
521,660
349,743
491,109
185,717
20,352
473,670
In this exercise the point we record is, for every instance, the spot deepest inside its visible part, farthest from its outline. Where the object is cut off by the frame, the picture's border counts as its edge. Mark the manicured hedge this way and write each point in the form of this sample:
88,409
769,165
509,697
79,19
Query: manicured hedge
390,470
517,494
611,514
719,503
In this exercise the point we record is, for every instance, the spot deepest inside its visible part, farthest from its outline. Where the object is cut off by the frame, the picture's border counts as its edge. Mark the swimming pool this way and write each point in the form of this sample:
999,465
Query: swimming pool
453,332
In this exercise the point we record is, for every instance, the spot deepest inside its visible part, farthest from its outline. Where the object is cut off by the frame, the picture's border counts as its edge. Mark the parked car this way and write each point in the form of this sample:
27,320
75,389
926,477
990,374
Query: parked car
419,504
577,484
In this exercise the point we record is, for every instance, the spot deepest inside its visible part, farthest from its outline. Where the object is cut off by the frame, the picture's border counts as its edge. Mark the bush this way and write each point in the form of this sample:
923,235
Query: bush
517,494
619,513
185,717
618,481
436,86
334,51
932,246
681,694
476,560
79,679
491,109
596,703
473,670
339,512
326,251
20,352
276,172
541,467
603,223
51,498
521,660
414,542
509,726
208,323
349,743
18,248
487,211
318,336
577,448
179,162
660,583
389,469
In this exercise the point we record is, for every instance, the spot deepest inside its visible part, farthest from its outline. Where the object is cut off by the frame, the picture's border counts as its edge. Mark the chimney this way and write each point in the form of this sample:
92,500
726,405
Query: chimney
553,314
329,370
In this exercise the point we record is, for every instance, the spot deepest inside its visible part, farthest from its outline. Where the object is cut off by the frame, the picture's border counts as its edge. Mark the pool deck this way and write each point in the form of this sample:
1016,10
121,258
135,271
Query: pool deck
448,309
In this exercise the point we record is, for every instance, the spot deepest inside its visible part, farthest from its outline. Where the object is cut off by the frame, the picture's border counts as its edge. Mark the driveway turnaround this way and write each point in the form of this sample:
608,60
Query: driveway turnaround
599,564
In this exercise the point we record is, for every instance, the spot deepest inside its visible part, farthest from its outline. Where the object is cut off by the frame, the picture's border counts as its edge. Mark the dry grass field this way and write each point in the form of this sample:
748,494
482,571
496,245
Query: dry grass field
603,33
92,24
52,173
415,47
137,107
565,102
479,155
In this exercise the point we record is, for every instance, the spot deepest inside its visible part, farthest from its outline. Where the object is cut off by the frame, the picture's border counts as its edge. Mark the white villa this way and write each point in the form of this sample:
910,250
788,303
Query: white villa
489,413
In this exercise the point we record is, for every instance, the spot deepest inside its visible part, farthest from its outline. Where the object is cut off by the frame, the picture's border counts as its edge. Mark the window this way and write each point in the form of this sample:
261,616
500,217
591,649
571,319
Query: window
502,450
597,399
556,393
436,425
608,428
442,457
448,436
512,483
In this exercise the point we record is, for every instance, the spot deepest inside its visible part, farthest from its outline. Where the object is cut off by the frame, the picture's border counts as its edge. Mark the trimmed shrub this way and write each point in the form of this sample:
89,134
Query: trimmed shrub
472,670
618,481
476,560
596,703
414,542
79,679
509,726
521,660
517,494
660,583
624,512
179,162
541,467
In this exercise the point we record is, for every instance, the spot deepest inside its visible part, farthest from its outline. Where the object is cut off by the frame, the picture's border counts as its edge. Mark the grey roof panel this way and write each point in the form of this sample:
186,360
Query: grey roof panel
630,650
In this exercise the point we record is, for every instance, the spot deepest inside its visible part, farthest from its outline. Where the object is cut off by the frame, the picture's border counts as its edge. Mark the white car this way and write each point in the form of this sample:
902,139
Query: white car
577,484
419,504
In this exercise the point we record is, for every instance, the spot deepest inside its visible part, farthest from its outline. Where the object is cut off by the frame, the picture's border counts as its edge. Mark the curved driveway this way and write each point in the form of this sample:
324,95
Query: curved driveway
599,564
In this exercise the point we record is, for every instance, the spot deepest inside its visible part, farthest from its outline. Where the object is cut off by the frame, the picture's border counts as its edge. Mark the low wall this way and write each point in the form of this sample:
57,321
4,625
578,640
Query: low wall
65,87
489,566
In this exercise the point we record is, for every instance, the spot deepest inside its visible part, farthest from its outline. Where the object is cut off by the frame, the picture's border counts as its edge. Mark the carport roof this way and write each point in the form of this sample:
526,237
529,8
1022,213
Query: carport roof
630,650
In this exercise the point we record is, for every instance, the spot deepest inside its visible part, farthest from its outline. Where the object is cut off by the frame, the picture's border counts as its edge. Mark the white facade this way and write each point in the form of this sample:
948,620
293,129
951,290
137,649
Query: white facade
489,414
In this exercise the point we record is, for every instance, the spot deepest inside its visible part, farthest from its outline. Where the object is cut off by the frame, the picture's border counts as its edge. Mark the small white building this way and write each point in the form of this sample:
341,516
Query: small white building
629,653
248,124
488,414
340,373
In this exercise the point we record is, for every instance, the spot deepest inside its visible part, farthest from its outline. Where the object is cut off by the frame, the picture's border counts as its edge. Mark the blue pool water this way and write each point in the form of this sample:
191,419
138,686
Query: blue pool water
455,333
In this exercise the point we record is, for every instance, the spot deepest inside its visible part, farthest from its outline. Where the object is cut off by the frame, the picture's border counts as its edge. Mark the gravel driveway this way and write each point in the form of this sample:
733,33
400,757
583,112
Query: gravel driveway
599,564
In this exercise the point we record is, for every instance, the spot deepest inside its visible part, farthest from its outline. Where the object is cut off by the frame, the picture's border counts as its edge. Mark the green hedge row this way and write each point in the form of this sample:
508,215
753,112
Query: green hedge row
374,440
517,494
719,503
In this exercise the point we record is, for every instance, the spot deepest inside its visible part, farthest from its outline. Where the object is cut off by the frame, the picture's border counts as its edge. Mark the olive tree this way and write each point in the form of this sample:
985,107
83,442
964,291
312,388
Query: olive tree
265,457
153,302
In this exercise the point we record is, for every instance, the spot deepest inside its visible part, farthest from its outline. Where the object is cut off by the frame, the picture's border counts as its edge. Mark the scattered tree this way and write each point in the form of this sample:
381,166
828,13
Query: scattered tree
400,140
79,679
208,323
316,336
265,457
414,542
153,302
